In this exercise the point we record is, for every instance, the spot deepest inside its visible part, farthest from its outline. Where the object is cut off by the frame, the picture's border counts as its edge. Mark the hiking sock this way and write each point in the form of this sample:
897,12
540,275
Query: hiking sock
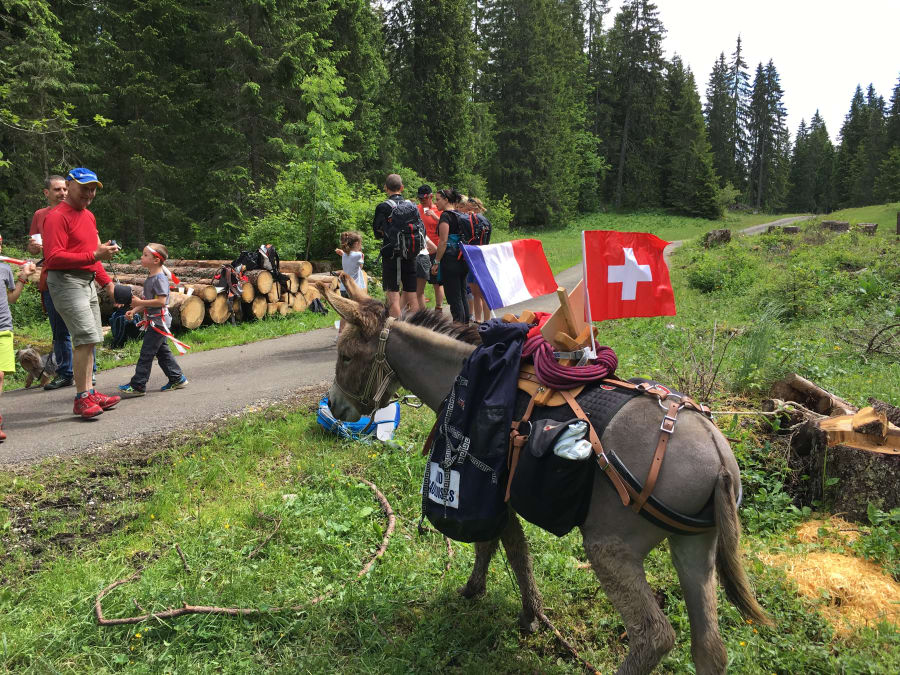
83,394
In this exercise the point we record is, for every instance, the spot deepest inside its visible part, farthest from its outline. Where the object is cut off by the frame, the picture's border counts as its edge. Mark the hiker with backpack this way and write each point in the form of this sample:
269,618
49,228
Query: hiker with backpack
402,233
448,258
481,235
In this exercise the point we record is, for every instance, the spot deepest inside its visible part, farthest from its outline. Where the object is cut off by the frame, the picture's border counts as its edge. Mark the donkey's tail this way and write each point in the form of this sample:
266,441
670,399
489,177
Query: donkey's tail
728,556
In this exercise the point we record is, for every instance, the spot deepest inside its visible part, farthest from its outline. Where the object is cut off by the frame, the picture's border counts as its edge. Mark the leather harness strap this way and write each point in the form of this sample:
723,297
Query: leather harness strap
665,433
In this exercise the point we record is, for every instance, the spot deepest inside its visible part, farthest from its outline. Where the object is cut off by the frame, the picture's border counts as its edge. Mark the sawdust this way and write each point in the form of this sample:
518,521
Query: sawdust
835,527
853,592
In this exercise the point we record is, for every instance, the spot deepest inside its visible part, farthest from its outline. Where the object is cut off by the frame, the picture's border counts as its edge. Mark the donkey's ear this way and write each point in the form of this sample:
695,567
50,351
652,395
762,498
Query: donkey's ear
350,310
354,291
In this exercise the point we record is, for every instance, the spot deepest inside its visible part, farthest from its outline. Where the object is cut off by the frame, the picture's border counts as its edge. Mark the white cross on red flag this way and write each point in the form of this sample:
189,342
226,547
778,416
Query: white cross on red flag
626,275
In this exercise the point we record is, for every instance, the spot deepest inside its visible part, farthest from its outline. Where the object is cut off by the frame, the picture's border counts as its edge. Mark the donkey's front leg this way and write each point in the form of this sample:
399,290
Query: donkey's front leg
484,551
516,547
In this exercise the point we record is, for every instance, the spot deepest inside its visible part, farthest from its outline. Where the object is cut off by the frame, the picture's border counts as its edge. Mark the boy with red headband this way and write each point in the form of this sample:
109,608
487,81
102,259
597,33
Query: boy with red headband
156,325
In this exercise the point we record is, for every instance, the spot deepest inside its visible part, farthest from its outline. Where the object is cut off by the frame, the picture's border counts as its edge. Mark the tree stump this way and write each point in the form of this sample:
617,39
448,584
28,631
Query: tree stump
791,229
867,228
716,238
836,225
846,476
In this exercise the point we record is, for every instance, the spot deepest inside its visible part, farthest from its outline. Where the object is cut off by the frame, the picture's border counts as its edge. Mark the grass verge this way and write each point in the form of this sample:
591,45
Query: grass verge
218,494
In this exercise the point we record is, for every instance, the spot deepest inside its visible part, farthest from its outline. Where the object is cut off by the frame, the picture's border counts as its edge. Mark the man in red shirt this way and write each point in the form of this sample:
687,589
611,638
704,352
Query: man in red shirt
72,255
55,191
430,216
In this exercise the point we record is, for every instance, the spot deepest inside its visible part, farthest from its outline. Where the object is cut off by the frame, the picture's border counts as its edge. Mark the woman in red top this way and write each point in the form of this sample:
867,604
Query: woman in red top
430,216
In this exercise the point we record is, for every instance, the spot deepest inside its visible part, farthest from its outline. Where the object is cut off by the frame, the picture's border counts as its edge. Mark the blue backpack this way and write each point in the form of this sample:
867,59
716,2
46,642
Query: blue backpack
464,486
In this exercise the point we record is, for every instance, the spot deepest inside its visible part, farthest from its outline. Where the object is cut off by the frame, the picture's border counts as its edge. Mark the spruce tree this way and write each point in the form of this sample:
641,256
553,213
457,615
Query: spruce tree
739,85
690,183
357,49
430,87
870,152
769,141
38,87
851,135
635,65
535,77
892,123
719,113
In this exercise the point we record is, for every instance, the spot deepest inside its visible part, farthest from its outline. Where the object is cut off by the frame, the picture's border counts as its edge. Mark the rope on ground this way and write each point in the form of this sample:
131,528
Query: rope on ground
173,612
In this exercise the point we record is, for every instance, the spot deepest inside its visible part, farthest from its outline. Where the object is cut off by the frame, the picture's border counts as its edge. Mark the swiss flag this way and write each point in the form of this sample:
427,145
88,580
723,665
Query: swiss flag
626,275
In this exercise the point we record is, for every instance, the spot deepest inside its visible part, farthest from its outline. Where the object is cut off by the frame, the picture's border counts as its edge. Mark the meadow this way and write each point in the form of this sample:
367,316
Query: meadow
268,510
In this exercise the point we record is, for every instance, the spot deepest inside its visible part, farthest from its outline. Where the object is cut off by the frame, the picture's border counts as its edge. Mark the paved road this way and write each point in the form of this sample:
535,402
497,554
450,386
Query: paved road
223,381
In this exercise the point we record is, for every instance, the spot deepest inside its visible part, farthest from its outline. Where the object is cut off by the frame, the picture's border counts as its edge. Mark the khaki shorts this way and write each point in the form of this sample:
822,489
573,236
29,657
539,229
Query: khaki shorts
75,299
7,353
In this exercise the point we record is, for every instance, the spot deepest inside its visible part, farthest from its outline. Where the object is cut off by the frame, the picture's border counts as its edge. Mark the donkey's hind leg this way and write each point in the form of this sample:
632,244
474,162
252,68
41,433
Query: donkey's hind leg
516,547
620,570
484,551
694,558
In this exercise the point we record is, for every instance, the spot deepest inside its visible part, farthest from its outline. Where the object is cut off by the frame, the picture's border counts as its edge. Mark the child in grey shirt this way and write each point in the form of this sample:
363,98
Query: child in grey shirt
156,325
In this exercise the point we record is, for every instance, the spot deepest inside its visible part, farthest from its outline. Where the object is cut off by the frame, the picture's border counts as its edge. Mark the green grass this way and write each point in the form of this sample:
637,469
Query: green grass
74,527
563,245
885,215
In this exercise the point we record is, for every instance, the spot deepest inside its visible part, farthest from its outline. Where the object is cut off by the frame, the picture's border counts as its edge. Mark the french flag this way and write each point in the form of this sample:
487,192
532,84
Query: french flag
510,272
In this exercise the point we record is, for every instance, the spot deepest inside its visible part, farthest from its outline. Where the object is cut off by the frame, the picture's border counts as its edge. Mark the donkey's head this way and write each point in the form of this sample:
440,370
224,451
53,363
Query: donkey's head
363,319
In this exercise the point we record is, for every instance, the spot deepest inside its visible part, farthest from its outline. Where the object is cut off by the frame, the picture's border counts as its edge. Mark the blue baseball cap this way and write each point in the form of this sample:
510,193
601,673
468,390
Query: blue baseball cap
83,176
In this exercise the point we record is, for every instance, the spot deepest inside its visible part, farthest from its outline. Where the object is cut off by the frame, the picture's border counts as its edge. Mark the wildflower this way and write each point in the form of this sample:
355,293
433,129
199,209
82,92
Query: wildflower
227,526
152,517
137,636
743,644
837,348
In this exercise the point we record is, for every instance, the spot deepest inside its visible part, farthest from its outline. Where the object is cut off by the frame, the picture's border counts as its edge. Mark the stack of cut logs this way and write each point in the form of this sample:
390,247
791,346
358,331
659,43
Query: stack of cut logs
197,301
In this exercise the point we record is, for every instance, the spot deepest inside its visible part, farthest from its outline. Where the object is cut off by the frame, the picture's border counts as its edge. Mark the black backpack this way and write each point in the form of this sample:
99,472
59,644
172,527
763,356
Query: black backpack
404,231
482,228
467,228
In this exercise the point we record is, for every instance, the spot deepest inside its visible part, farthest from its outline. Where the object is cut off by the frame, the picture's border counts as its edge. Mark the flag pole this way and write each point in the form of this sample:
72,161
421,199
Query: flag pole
587,297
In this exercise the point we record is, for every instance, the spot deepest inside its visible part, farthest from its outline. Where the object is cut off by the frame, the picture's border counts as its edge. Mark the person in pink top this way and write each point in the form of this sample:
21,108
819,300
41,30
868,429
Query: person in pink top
72,255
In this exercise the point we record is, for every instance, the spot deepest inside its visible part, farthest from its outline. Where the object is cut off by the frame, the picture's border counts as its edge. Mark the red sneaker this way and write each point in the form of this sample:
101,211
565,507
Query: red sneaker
2,435
86,407
104,401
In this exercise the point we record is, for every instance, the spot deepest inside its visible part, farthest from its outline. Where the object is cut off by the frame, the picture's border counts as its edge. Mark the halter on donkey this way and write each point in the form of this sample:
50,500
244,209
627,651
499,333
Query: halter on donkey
425,358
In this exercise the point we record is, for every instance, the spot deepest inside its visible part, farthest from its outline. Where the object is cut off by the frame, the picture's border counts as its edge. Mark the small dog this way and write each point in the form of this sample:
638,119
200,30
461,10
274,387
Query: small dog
37,367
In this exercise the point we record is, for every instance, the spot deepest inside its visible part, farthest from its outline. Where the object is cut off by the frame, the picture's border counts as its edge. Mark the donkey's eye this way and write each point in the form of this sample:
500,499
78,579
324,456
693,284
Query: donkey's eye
345,359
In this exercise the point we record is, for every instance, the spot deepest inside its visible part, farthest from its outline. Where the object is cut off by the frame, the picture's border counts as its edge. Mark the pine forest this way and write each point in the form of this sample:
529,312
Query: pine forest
277,120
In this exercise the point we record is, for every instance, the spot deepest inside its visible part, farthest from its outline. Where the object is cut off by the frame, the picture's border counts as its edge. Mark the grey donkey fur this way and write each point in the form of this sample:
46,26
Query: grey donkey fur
699,461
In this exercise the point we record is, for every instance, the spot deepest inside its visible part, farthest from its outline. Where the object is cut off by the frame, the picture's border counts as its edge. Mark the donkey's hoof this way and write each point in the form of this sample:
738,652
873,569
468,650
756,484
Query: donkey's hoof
529,625
471,591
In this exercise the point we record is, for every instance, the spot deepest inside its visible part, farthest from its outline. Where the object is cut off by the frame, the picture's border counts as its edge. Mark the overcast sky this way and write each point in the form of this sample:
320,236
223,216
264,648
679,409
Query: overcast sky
821,48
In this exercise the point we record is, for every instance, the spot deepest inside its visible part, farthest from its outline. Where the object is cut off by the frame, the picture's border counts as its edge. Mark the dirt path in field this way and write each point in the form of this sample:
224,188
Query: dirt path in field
223,382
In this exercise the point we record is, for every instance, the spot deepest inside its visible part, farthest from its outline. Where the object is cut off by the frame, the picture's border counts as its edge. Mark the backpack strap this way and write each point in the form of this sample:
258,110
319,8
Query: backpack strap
517,441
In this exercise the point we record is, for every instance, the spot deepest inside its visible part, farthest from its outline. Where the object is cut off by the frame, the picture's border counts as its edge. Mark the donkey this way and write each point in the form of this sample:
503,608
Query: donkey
424,354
